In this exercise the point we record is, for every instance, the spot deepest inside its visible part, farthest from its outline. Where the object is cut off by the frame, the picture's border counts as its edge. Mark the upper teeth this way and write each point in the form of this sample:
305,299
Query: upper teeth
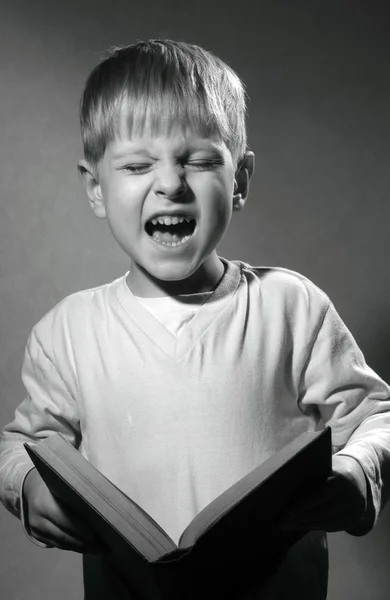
170,220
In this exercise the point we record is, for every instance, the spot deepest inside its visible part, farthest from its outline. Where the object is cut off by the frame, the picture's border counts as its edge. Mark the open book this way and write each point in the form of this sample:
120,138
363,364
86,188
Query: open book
235,535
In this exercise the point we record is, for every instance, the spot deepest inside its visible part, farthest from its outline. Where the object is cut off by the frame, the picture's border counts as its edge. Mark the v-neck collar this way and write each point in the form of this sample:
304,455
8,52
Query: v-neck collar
174,347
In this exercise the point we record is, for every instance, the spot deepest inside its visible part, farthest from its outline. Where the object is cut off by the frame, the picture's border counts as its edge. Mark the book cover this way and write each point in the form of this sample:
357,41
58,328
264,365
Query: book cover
232,540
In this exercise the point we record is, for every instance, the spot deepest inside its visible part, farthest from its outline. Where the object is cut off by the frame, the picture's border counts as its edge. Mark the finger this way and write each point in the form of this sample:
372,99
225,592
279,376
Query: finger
335,520
317,499
301,516
66,520
55,536
329,504
82,543
58,543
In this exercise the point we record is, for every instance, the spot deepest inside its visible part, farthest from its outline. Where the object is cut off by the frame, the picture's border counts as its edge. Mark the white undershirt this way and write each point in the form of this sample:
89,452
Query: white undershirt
174,312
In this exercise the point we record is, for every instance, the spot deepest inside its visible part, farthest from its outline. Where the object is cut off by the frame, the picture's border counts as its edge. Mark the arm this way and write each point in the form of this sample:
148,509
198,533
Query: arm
355,402
48,407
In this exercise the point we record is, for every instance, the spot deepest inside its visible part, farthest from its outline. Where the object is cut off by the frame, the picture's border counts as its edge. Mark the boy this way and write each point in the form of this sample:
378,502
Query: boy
180,377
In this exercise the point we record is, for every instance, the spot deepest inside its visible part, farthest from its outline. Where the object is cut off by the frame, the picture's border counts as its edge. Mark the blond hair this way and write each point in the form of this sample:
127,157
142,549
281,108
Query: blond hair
164,85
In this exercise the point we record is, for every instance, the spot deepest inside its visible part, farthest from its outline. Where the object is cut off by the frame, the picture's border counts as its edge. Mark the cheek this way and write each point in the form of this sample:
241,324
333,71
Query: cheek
221,209
120,201
223,218
217,195
119,191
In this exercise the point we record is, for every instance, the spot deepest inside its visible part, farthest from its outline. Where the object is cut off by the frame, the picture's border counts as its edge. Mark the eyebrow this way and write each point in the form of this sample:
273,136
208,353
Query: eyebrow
207,146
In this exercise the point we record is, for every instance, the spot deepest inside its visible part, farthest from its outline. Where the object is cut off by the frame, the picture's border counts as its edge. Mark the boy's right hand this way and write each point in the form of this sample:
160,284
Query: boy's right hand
52,523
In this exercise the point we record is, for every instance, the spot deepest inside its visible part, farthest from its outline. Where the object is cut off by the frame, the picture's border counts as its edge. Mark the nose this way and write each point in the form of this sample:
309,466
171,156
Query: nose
170,182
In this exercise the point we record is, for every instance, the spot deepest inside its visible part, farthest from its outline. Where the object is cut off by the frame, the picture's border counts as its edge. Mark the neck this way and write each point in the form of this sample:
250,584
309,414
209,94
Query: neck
205,279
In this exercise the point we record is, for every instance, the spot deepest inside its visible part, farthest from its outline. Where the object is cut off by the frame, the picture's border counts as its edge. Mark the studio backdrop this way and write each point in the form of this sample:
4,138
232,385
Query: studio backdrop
317,77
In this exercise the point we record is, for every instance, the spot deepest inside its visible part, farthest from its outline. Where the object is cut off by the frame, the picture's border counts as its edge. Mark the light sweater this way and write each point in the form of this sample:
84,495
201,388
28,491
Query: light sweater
173,421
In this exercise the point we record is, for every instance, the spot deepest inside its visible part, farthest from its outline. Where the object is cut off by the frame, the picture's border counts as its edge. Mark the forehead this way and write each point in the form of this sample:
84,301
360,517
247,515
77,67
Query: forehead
173,143
146,121
148,137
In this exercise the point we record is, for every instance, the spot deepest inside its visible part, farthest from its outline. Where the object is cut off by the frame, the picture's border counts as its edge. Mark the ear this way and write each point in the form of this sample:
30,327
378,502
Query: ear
89,176
243,175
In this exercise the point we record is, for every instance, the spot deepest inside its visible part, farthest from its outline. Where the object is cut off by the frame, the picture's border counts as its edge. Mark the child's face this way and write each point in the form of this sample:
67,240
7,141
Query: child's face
146,177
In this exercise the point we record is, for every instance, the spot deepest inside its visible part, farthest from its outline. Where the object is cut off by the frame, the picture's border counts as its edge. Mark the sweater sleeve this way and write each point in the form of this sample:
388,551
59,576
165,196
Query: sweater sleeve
48,407
354,401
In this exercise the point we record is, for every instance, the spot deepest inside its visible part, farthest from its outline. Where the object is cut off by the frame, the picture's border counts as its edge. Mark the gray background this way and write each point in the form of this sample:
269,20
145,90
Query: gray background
318,79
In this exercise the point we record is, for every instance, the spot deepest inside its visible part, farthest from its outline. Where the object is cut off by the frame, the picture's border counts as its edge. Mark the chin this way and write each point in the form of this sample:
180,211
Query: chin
172,272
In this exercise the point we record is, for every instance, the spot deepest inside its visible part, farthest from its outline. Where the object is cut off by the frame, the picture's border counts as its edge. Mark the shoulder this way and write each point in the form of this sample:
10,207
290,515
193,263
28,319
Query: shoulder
284,281
286,290
85,308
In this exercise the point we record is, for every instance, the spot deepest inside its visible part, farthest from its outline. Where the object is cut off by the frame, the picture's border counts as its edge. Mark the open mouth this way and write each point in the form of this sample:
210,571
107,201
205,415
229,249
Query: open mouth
171,231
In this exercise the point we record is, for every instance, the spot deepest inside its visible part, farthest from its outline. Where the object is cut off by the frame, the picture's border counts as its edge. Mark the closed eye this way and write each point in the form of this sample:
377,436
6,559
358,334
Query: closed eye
199,165
205,165
137,169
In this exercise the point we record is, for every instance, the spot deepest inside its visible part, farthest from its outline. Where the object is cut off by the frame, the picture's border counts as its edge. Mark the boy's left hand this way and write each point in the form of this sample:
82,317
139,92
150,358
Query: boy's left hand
338,505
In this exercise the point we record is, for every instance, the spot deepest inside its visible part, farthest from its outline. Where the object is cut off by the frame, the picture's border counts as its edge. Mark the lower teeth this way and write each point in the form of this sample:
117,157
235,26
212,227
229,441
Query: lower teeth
172,244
